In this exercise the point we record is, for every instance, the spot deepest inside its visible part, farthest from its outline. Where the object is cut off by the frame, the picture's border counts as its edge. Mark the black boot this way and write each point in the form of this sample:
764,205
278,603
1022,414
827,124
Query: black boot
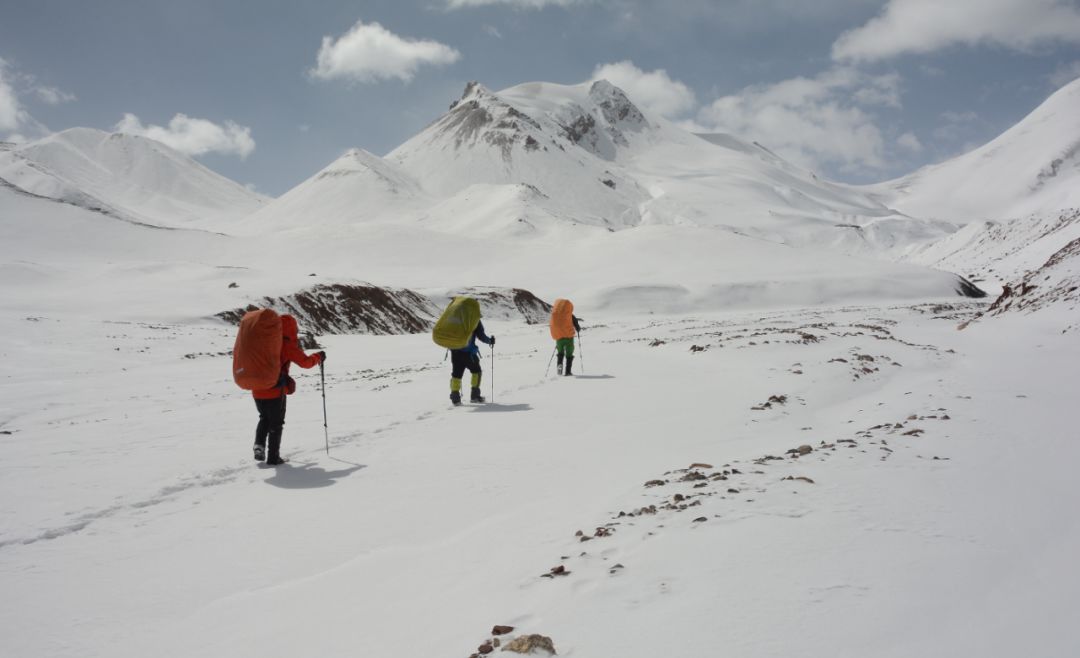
476,397
558,364
569,366
455,397
260,452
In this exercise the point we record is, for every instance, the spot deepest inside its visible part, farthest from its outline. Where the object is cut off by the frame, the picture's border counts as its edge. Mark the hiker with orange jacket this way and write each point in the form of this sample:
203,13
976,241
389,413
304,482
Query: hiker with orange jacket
271,401
564,326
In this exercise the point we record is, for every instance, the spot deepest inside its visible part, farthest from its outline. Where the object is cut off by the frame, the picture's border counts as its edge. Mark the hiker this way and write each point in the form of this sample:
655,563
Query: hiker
564,326
458,329
271,401
468,357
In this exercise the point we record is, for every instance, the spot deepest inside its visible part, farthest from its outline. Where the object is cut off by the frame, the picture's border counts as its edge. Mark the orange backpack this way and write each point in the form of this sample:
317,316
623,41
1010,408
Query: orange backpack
257,352
562,319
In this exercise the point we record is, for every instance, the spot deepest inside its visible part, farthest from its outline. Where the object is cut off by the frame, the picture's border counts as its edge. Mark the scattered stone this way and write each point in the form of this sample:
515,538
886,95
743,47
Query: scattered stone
657,343
527,643
485,648
234,285
700,519
799,477
700,465
559,570
679,498
913,433
733,490
502,630
655,483
698,348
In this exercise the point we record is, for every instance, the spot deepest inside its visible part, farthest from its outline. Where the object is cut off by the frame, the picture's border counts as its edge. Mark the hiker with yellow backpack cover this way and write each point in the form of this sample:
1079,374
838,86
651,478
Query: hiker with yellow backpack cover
457,330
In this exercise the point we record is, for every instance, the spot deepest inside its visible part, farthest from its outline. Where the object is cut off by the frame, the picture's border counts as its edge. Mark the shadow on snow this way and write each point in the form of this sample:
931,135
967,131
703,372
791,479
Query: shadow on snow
308,475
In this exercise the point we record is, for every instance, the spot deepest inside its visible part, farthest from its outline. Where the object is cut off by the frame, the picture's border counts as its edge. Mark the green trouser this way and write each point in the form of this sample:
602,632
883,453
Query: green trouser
565,346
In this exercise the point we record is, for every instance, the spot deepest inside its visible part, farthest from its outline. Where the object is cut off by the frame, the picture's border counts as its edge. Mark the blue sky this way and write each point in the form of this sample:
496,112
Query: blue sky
268,92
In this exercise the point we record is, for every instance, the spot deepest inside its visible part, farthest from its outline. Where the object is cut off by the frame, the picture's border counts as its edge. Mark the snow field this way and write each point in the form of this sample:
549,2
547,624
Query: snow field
143,526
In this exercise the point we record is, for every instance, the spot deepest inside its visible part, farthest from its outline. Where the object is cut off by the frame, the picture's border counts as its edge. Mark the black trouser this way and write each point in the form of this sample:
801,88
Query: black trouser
271,424
460,360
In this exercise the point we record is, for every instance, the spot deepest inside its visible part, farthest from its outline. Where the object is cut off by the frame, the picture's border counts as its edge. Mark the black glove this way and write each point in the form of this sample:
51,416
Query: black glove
322,356
492,343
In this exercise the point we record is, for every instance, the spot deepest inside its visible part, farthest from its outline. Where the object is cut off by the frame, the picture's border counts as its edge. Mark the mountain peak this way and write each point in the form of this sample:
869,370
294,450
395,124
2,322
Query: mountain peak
616,107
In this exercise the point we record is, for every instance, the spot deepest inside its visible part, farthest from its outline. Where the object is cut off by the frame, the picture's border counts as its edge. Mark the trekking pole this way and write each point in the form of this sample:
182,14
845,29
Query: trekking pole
548,369
326,432
581,346
492,373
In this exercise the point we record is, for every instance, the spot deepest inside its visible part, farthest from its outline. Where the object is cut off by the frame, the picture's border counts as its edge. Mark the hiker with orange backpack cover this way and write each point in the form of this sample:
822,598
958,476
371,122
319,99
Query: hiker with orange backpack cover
564,326
271,401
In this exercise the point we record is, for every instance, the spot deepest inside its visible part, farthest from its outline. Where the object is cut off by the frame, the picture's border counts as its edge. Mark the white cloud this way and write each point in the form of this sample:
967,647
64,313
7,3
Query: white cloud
368,53
16,123
519,4
923,26
493,31
9,101
909,142
811,121
53,96
1064,74
193,136
655,91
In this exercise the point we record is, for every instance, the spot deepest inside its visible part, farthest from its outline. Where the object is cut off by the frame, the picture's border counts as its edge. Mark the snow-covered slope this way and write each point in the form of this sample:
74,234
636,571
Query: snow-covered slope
133,177
358,186
1032,167
1000,251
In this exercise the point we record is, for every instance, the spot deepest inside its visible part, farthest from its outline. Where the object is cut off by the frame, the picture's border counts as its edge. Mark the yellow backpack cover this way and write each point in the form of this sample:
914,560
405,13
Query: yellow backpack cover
457,323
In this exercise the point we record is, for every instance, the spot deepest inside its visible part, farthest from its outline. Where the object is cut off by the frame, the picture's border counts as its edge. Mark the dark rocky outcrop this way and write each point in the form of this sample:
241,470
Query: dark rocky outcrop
368,309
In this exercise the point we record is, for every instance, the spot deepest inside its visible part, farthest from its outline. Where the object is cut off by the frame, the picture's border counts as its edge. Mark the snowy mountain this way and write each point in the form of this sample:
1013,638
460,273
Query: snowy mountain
486,139
602,161
356,187
1034,167
129,177
573,190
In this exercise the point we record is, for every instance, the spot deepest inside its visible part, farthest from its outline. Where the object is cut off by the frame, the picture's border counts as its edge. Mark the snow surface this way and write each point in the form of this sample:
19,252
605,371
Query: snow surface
138,525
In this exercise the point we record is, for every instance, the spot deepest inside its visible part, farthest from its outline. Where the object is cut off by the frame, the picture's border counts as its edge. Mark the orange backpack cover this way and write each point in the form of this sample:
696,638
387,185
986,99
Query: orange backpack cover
562,319
257,352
